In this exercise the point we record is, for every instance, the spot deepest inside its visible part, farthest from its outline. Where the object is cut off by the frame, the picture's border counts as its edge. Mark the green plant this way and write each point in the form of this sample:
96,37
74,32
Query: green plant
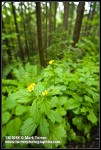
61,105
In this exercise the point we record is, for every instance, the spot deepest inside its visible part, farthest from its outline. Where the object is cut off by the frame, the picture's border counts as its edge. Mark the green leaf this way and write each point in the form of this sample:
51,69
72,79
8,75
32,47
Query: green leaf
28,127
91,117
60,110
77,111
87,128
44,106
86,104
35,112
54,101
55,90
78,122
54,116
59,71
20,109
13,127
71,135
63,87
84,109
96,97
5,117
4,131
21,96
48,73
44,127
10,104
57,133
63,100
69,92
39,88
72,104
87,98
72,86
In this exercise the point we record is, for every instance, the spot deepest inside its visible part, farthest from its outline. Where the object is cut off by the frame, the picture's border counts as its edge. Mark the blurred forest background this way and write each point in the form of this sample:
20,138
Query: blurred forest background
36,32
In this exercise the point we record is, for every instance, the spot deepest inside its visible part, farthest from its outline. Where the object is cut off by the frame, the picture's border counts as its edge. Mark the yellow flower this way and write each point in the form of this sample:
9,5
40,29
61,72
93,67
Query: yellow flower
45,92
51,62
31,87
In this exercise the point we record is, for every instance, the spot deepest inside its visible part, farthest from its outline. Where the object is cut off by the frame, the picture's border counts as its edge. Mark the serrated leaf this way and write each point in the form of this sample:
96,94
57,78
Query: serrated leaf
63,100
91,117
86,104
13,127
60,110
71,135
63,87
48,73
39,88
54,101
5,117
21,96
72,86
57,133
54,116
44,106
10,104
20,109
28,127
96,97
72,104
78,122
84,109
87,98
56,90
44,127
69,92
77,111
35,112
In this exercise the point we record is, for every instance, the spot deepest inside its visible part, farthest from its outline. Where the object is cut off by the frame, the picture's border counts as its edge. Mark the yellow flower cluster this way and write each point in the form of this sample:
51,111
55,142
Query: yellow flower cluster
45,92
31,87
51,62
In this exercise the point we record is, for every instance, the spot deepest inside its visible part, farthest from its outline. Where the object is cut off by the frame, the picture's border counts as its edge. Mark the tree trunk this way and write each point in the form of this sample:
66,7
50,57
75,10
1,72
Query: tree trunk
46,35
55,11
25,35
17,31
71,15
78,23
39,33
90,17
50,22
32,42
66,15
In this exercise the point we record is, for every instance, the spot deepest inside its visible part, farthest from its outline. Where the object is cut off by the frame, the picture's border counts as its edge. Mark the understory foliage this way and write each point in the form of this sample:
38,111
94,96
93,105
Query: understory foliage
59,102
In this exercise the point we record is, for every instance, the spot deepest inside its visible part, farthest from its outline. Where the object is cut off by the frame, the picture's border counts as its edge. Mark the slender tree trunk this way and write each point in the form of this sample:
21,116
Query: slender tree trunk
55,11
32,42
39,33
50,23
66,15
46,35
90,18
17,31
78,23
71,15
25,35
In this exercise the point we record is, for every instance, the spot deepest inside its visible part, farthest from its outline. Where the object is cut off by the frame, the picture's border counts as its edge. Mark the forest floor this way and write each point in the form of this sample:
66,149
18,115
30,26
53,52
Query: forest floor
94,143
